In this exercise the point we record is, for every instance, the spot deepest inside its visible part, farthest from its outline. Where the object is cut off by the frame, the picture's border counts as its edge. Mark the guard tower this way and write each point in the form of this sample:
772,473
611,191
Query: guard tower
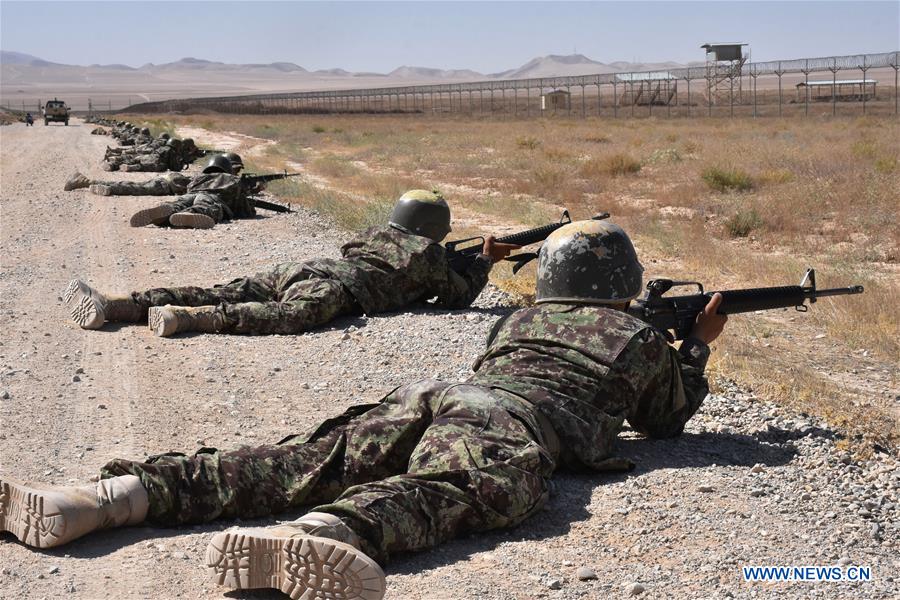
724,67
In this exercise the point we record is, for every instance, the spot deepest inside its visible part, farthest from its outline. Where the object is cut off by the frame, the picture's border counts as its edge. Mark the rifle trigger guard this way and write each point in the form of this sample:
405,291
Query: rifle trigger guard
801,308
451,246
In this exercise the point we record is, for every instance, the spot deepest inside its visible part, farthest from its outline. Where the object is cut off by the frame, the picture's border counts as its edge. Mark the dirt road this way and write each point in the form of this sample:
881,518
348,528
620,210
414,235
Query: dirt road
746,485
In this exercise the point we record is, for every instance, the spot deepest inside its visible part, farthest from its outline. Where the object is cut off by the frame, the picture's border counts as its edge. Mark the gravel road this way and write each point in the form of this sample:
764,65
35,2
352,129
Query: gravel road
748,483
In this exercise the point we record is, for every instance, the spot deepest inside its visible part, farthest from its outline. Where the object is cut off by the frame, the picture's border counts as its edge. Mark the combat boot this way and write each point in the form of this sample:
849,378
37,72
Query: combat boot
192,220
76,182
316,556
90,309
158,215
168,320
48,517
100,189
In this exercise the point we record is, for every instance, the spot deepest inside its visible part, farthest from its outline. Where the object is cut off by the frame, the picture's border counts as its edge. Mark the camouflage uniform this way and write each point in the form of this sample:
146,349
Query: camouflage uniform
433,460
385,269
169,185
146,158
220,196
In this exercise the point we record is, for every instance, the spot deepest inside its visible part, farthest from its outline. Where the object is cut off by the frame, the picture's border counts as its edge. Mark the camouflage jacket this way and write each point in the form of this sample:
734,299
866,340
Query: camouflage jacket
589,368
228,189
386,269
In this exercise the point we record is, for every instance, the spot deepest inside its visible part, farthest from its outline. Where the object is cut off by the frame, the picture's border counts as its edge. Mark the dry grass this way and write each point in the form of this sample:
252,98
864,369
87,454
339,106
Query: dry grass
734,203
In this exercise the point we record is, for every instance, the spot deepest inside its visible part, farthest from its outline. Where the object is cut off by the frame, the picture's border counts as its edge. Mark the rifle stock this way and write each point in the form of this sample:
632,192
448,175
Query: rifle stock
461,259
678,313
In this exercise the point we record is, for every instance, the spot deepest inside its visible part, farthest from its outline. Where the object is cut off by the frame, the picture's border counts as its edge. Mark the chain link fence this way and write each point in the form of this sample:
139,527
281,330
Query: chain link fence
836,85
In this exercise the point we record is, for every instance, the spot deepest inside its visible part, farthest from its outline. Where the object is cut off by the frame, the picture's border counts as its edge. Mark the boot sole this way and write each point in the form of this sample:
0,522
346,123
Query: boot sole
157,215
161,326
304,568
30,515
192,220
84,309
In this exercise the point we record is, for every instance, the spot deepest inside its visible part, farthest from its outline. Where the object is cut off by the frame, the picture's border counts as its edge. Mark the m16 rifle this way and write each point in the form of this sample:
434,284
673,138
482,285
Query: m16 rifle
678,313
254,184
461,258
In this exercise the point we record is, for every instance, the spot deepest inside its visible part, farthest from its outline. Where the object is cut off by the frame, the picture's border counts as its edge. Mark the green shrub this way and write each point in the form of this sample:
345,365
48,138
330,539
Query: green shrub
319,129
743,222
886,164
723,180
620,164
529,143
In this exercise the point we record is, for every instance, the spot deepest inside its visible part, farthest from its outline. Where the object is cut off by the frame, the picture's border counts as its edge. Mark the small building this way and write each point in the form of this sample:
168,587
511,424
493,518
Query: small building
556,100
842,90
725,52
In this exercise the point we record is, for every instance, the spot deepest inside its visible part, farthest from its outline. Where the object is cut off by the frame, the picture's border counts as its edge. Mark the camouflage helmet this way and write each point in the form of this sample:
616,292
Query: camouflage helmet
188,142
422,213
164,136
218,164
173,143
145,131
593,262
235,159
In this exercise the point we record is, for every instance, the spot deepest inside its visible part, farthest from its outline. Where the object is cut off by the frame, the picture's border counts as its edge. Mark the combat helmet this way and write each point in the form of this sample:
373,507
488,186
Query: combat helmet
218,164
145,131
164,136
235,160
423,213
590,262
174,143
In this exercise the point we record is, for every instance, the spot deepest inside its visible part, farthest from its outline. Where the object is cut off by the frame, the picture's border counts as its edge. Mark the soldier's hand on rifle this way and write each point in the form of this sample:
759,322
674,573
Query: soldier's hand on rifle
495,250
709,324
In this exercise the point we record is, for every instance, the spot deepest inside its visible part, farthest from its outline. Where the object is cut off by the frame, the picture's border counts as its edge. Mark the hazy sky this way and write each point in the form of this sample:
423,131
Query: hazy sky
484,36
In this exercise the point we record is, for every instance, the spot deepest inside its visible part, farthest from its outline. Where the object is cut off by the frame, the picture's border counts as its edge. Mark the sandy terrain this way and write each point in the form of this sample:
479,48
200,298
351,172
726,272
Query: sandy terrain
748,484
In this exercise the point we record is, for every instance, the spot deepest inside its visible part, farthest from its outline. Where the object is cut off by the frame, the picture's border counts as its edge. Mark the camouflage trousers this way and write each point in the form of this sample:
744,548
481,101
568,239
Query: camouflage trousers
430,462
158,186
135,163
289,299
204,204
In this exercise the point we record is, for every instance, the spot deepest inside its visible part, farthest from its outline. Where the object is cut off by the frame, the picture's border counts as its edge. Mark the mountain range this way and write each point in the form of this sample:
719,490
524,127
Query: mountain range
545,66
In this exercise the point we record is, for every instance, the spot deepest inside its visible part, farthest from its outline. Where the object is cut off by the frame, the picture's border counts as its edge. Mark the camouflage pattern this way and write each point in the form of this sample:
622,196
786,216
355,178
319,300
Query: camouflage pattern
587,369
588,261
289,299
170,184
432,461
235,200
219,196
99,131
384,270
163,158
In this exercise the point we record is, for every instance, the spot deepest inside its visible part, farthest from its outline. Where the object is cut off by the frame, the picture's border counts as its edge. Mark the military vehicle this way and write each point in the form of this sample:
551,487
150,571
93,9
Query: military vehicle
56,110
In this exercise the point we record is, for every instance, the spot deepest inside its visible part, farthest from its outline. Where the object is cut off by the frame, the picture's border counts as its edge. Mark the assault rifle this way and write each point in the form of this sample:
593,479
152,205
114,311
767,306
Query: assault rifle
678,313
255,183
461,258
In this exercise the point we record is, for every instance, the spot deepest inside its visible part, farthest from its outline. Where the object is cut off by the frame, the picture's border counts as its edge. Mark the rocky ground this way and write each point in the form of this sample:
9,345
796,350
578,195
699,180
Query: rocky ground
747,484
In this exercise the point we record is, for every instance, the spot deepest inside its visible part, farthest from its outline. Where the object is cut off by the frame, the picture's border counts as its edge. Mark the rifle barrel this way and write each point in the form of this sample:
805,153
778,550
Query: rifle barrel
853,289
